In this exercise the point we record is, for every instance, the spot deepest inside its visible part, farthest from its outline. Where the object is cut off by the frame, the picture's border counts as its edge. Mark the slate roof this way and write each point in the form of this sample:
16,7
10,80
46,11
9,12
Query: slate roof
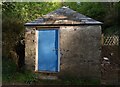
63,16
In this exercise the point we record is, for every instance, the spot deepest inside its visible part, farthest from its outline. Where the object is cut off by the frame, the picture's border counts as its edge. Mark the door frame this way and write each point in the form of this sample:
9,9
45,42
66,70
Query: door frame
36,46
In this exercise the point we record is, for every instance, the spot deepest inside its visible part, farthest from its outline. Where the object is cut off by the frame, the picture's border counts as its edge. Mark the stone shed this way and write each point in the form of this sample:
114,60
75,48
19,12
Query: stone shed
64,43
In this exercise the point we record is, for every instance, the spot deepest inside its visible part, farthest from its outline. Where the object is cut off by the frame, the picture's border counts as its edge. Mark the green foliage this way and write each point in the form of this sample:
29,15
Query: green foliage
106,12
12,31
27,11
11,75
95,10
113,30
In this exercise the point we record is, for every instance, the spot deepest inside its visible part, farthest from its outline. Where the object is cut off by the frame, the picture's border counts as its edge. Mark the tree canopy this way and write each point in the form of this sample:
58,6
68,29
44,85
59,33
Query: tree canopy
26,11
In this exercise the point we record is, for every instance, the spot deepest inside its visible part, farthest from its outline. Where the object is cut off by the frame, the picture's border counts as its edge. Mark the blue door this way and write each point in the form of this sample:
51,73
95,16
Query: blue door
48,50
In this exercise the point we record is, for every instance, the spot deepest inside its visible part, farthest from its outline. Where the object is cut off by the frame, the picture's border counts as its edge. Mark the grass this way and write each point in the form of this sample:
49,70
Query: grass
10,75
70,82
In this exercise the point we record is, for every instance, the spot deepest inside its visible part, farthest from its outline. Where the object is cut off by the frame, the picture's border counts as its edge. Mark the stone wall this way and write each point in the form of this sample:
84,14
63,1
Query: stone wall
79,51
30,48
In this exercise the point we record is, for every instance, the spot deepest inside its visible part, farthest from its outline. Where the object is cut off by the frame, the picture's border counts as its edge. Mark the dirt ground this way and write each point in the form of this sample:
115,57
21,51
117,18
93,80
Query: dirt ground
110,73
